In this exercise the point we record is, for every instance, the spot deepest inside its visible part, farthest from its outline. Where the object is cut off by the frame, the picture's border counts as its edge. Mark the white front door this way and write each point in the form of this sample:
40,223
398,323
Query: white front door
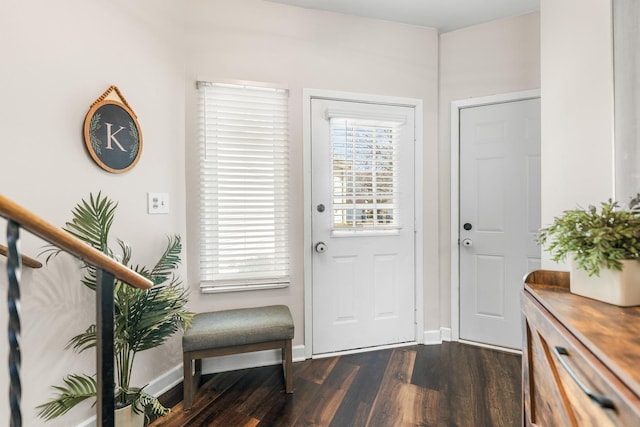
362,195
499,217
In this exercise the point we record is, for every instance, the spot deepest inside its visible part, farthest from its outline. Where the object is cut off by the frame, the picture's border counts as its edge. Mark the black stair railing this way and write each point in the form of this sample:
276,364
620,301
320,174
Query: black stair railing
108,271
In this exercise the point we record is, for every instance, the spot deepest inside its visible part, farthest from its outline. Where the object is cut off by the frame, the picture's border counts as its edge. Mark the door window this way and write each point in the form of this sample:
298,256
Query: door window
364,174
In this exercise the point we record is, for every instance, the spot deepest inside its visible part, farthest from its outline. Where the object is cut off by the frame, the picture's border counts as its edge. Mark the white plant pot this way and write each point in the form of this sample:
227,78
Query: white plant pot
125,417
612,286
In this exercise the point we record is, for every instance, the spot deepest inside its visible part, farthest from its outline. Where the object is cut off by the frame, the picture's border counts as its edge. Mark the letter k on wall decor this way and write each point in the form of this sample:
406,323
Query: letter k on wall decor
112,133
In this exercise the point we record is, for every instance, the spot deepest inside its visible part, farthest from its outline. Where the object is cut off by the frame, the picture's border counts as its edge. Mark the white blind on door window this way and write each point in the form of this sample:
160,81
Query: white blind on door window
243,187
364,174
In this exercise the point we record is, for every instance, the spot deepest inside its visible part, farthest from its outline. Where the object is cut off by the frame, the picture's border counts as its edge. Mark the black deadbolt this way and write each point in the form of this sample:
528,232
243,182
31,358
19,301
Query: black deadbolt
467,226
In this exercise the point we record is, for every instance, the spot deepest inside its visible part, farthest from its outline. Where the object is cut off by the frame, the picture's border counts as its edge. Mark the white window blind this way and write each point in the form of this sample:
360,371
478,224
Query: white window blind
364,174
243,187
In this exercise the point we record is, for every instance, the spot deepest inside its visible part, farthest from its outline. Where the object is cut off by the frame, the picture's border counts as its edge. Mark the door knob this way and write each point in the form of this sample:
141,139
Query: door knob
467,242
321,247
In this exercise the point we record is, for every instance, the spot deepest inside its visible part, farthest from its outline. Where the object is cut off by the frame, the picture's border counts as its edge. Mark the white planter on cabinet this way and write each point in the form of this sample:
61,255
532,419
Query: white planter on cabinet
612,286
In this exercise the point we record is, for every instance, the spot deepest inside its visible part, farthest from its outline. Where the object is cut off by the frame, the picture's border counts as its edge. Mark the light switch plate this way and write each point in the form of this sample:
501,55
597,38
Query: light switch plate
157,203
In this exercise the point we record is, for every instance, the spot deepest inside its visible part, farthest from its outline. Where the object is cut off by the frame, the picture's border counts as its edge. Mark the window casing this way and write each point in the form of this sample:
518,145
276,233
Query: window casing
243,187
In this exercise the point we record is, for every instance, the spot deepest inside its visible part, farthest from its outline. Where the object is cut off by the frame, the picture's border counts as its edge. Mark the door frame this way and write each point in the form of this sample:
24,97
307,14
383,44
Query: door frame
307,96
456,107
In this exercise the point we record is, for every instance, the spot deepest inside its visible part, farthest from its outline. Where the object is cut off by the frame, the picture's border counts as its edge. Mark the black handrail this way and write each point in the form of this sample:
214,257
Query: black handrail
108,270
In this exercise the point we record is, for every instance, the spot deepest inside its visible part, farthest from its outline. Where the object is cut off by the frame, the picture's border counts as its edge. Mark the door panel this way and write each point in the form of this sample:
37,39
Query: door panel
500,198
362,211
489,270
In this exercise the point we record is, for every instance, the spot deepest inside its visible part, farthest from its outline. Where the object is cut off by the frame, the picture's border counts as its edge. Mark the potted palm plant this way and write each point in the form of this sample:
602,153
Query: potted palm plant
143,319
604,249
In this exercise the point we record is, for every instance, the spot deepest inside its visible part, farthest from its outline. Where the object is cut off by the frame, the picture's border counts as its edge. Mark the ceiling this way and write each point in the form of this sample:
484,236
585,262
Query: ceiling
445,15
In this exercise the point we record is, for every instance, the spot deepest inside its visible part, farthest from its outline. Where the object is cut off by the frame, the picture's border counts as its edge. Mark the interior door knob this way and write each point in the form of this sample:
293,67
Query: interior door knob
467,243
321,247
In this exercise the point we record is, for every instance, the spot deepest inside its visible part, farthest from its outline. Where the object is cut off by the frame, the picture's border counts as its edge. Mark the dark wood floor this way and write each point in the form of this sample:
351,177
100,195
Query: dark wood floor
442,385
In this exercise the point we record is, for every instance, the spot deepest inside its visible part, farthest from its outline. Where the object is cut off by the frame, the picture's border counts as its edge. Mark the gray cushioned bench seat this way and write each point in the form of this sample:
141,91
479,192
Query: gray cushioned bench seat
235,331
238,327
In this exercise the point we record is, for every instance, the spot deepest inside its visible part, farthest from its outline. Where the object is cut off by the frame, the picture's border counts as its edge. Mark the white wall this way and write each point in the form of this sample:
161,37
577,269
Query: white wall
298,48
494,58
56,59
577,106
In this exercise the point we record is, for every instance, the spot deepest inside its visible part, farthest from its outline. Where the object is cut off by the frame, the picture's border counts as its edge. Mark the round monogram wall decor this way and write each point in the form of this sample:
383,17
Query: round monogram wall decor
112,133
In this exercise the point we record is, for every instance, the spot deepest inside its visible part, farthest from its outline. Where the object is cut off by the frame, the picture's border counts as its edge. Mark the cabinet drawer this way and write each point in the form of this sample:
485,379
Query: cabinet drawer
565,384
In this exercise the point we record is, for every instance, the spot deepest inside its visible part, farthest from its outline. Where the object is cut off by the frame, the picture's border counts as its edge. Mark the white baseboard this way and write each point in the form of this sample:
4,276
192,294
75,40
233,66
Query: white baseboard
437,336
445,333
165,382
173,377
432,337
248,360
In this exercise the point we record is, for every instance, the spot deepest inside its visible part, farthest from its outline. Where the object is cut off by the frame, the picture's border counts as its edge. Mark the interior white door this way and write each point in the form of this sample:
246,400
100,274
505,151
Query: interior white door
362,225
499,217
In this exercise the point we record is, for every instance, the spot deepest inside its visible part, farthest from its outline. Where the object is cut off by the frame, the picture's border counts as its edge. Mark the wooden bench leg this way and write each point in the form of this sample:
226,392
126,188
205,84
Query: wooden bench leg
197,374
191,380
187,382
287,358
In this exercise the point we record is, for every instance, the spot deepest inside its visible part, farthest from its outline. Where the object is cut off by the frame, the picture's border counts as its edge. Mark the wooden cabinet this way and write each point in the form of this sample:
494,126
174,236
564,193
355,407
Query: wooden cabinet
581,358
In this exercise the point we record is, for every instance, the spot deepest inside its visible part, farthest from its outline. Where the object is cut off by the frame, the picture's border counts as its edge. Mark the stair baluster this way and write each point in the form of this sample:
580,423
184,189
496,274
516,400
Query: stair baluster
104,348
14,270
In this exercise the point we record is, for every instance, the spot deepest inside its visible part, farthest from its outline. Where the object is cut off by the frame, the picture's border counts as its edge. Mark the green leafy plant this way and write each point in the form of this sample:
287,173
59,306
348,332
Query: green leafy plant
93,128
595,238
143,319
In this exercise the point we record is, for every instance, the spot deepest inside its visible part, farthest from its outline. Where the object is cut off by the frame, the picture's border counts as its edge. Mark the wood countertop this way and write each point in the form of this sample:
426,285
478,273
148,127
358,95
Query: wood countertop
610,332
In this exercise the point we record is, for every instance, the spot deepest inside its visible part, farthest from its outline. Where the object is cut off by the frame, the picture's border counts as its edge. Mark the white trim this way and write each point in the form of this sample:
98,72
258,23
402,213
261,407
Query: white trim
456,106
217,289
307,96
432,337
332,113
254,359
90,422
437,336
165,382
269,85
445,334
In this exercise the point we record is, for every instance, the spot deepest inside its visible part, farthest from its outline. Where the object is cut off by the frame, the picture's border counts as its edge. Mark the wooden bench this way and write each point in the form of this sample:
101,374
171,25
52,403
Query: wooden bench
221,333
